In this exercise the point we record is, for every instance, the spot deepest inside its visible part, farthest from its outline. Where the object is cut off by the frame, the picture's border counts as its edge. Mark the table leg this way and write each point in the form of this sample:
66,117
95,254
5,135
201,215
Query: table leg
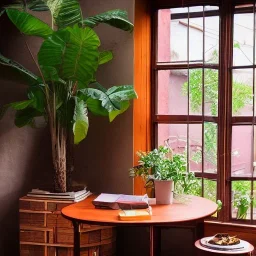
76,238
199,230
155,238
152,238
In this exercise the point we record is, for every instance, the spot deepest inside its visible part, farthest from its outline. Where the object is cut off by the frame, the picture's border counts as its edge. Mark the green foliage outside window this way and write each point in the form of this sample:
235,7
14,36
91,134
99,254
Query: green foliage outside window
241,96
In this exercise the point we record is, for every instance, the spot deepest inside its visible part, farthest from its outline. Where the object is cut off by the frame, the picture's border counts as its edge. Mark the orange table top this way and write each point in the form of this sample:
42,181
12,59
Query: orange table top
194,208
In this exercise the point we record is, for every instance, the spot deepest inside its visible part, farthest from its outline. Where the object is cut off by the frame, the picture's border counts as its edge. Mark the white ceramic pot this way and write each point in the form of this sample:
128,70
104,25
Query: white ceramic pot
164,191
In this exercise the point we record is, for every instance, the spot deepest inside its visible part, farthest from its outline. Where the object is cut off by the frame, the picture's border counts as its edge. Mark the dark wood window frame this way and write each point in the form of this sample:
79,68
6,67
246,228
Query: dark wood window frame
224,119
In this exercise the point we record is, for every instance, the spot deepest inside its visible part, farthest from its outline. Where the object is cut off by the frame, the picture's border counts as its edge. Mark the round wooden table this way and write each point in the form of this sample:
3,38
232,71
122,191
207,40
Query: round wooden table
209,252
191,212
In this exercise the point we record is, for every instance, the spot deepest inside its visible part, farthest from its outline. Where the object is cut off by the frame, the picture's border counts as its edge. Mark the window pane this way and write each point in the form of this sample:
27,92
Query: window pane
175,135
242,92
178,27
170,31
195,36
254,200
195,147
172,96
240,199
210,147
195,91
212,39
211,94
210,189
241,151
243,39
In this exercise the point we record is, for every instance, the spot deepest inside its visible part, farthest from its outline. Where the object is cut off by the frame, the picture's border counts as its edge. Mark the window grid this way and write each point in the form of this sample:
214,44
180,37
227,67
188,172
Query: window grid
226,121
187,119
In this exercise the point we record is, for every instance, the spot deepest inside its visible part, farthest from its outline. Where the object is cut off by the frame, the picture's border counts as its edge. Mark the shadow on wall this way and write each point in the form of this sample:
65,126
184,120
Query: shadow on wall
24,164
24,156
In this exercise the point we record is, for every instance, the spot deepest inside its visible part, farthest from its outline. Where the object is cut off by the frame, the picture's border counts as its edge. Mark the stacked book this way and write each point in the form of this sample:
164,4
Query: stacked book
132,208
75,196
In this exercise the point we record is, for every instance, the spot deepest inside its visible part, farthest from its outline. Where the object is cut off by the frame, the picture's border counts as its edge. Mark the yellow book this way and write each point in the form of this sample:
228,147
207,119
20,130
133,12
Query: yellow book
136,214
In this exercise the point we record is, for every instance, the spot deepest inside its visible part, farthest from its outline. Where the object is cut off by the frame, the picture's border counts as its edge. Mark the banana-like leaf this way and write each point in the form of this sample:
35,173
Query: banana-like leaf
26,117
121,93
16,105
73,52
112,98
37,94
105,57
10,69
33,5
65,12
37,6
124,106
81,122
116,18
98,86
51,74
28,24
94,106
21,104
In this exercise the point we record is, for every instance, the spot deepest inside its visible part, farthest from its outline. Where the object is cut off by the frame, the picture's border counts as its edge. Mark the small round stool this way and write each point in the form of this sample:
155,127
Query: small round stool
204,251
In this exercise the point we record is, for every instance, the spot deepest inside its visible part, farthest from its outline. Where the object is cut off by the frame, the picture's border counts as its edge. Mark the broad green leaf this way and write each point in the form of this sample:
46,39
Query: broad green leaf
73,52
121,93
51,74
105,57
124,106
96,94
15,105
37,6
98,86
81,122
21,104
115,18
26,116
33,5
94,106
36,93
65,12
12,70
28,24
112,98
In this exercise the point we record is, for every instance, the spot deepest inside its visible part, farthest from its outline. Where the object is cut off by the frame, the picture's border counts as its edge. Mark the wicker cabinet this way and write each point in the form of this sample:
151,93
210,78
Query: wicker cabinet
45,232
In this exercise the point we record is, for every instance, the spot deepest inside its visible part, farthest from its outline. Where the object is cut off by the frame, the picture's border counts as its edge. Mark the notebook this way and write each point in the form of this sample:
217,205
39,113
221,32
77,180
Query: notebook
137,214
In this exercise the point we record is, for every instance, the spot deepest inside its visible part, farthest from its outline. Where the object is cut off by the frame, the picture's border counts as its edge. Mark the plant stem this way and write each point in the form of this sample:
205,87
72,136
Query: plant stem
38,67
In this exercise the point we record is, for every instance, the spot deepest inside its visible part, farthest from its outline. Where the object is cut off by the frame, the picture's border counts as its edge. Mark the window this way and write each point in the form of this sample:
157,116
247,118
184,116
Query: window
203,99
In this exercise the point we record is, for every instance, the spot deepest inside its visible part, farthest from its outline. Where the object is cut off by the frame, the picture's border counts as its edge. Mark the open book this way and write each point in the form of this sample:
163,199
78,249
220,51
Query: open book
120,201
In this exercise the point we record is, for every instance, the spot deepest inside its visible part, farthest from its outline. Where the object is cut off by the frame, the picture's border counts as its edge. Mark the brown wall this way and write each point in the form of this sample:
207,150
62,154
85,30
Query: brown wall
24,156
104,158
101,161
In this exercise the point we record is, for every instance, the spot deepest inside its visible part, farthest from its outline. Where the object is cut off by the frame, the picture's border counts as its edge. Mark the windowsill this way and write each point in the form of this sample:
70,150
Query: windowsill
229,224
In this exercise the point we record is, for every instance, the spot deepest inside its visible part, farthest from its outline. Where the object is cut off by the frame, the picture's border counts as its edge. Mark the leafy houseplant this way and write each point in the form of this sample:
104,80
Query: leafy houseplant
161,165
67,89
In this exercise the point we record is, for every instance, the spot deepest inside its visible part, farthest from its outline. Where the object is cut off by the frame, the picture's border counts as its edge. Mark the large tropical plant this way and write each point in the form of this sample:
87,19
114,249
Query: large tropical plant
66,89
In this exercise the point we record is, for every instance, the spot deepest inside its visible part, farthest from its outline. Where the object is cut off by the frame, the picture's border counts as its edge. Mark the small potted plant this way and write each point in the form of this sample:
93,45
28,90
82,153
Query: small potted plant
242,203
164,168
